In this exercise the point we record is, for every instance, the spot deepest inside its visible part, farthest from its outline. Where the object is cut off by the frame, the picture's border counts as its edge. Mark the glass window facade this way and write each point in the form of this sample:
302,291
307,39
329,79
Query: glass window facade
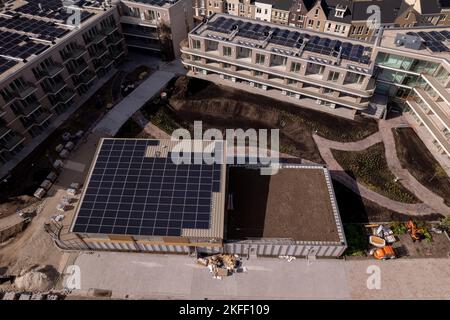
405,63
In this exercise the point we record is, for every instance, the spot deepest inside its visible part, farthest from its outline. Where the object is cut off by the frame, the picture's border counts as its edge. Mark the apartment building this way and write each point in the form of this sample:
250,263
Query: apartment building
326,72
349,18
419,76
156,26
48,68
307,65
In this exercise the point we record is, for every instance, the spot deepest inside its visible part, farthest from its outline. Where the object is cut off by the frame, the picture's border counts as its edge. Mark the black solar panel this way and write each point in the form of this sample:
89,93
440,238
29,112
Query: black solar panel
434,40
52,9
43,30
6,64
19,46
131,194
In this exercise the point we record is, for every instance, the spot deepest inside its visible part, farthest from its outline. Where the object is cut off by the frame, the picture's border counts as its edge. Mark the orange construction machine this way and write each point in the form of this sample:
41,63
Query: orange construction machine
413,231
384,253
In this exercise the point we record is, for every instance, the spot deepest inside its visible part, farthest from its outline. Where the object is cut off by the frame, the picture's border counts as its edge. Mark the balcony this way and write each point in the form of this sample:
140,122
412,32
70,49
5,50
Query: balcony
436,85
54,88
108,30
75,54
114,39
96,54
140,33
306,91
12,142
29,108
116,53
437,133
79,68
25,91
97,39
40,119
4,131
85,78
105,63
51,71
144,45
316,79
65,95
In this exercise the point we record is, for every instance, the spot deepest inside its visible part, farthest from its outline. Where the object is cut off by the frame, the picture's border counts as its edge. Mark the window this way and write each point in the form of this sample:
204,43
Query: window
316,13
258,10
227,51
290,81
196,44
260,58
333,76
295,67
318,25
310,23
226,66
196,58
328,26
258,73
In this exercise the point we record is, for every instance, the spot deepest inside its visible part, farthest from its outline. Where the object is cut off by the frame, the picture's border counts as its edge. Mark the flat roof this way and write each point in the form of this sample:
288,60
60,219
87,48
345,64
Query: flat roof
156,3
137,187
29,28
297,203
430,46
285,40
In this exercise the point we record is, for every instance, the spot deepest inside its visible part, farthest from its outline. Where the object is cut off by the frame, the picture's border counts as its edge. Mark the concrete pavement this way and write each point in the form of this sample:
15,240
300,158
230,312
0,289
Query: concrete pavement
176,276
115,118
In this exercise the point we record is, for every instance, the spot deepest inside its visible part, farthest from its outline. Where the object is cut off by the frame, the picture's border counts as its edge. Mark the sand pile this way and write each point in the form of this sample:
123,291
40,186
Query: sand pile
38,279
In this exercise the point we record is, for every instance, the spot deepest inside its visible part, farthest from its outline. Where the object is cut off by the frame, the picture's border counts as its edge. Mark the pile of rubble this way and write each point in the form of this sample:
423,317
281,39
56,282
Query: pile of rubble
221,265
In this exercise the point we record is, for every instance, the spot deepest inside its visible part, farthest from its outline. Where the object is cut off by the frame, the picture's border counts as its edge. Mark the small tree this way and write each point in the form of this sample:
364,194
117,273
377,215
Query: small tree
165,38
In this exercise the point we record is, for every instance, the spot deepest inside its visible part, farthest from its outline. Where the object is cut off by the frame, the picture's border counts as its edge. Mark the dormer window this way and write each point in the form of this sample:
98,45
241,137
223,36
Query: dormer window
340,11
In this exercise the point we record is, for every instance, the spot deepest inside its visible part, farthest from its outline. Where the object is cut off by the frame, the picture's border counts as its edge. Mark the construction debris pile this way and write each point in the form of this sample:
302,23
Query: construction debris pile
222,265
381,238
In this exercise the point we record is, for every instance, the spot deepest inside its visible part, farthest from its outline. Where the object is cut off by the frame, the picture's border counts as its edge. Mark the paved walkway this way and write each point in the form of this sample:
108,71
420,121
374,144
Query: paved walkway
177,276
149,127
431,202
406,178
115,118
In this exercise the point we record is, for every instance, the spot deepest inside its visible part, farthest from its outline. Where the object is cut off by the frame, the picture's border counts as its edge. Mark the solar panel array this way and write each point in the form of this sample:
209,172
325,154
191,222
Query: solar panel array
19,46
293,39
51,9
6,64
129,193
434,40
44,30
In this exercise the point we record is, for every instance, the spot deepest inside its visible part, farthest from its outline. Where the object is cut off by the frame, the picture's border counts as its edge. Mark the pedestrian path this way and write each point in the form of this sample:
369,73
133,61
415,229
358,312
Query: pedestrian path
431,203
115,118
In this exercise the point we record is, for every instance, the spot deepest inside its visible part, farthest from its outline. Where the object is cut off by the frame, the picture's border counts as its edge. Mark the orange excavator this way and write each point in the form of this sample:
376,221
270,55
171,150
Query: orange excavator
413,231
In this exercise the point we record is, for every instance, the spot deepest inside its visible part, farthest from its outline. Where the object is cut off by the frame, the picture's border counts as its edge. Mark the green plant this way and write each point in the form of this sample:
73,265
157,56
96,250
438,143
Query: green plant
398,228
357,244
445,223
422,228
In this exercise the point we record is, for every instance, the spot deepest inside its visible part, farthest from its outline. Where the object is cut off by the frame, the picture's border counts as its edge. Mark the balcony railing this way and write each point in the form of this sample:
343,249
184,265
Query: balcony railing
29,108
74,54
51,71
4,130
97,39
11,143
85,78
25,91
54,88
79,68
96,54
108,30
40,119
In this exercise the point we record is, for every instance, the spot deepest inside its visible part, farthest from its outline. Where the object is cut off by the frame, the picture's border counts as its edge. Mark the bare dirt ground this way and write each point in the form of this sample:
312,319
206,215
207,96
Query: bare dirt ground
414,156
223,107
438,248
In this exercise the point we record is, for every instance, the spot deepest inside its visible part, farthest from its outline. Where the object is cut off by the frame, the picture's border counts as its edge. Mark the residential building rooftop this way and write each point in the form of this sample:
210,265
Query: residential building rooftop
286,40
29,28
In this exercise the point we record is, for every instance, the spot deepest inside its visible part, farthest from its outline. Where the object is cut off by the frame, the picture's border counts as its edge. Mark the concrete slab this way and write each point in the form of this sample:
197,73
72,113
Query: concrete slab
177,276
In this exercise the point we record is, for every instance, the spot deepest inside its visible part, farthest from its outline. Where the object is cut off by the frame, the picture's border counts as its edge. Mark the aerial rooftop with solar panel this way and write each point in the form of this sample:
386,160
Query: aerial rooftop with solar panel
29,28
